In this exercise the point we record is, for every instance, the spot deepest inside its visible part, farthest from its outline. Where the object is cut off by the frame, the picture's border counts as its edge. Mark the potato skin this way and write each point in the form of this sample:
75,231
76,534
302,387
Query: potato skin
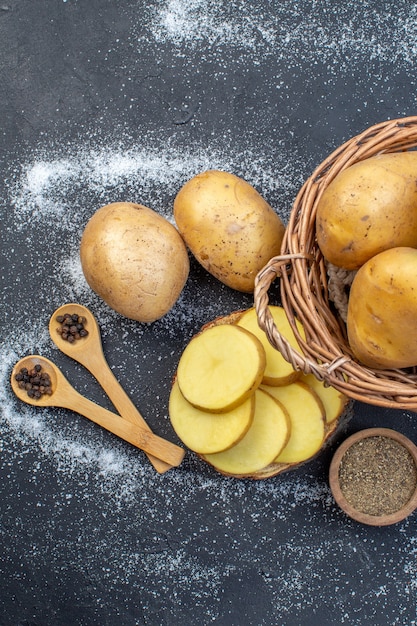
382,310
369,207
134,259
230,229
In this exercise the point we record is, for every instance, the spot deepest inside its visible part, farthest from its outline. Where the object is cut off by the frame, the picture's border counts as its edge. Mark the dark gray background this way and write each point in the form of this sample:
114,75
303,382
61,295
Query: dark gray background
104,101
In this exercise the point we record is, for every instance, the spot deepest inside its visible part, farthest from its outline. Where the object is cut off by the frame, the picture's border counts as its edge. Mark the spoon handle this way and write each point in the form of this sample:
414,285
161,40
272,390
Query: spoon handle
97,365
91,356
141,438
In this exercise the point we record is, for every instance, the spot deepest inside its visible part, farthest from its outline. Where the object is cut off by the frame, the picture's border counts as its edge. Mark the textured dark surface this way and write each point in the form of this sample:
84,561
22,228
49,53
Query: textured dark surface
104,101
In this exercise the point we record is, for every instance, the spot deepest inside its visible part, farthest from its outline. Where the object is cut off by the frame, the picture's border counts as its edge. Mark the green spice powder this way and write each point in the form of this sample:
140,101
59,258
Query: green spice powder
377,475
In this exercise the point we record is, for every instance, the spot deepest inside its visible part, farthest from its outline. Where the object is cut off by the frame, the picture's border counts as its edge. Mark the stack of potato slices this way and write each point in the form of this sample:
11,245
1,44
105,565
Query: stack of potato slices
242,407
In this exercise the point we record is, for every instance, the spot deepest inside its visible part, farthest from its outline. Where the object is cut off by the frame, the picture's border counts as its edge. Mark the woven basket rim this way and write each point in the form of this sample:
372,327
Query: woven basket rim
304,286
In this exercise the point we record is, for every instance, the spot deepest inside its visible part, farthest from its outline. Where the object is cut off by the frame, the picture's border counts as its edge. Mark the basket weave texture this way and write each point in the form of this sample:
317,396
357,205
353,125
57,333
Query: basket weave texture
315,293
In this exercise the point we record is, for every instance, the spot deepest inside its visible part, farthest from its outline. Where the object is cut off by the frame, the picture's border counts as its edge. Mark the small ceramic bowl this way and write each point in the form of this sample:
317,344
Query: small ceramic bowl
335,474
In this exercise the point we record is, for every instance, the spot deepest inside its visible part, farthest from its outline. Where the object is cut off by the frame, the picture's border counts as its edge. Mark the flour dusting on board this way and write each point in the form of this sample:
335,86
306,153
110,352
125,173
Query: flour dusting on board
150,175
261,32
196,21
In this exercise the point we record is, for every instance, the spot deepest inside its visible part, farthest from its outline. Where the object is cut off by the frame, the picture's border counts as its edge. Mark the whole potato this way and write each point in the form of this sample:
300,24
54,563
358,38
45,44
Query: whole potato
134,259
369,207
230,229
382,310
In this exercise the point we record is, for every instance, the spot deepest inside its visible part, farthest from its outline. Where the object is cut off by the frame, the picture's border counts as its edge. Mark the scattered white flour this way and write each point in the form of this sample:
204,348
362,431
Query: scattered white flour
321,28
198,21
58,187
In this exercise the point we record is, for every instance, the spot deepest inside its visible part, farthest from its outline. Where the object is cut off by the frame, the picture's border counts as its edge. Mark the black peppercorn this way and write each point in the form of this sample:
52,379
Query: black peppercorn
72,327
36,382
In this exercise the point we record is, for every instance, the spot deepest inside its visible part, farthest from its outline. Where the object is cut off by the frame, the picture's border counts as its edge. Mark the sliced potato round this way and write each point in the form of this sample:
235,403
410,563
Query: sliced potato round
221,367
334,401
266,437
204,432
278,371
306,414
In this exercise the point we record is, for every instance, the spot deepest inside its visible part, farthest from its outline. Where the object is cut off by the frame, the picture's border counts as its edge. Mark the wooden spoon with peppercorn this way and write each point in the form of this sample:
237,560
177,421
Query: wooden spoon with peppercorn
38,381
81,340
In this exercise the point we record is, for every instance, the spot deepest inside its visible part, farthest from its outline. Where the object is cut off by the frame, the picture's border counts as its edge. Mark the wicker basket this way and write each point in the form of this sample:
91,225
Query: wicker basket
315,293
